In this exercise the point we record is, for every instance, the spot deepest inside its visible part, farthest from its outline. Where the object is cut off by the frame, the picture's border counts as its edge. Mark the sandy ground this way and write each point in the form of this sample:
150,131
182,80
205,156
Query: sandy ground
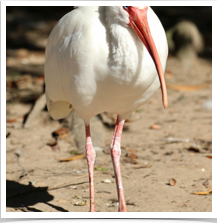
162,165
150,157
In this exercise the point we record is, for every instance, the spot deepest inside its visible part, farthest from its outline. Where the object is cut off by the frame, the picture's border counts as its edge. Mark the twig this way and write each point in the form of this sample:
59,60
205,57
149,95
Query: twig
57,186
174,140
38,189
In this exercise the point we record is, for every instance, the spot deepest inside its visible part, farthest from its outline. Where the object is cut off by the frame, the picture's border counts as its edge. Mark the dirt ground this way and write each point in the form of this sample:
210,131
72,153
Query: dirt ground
165,152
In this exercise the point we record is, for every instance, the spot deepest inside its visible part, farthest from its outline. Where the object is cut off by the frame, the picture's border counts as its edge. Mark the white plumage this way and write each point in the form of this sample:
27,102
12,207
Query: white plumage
97,63
105,58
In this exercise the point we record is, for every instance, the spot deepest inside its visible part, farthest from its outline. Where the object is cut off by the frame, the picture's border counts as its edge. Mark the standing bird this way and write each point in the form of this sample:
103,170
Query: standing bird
105,58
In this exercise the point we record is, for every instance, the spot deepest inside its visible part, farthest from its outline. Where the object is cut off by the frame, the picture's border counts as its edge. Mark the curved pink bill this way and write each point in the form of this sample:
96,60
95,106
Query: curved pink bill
139,23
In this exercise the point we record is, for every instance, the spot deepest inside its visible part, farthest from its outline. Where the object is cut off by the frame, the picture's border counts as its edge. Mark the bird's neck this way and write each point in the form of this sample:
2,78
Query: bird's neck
126,49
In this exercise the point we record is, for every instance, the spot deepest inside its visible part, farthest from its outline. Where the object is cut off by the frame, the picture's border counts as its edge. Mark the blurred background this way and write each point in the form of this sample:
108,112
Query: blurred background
29,27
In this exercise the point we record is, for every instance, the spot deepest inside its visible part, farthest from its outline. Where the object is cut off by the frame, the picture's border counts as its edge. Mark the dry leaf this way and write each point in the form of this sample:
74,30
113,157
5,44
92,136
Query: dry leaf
40,78
132,154
187,88
127,120
193,149
72,158
100,169
144,166
202,193
154,126
172,182
131,157
62,201
131,151
11,120
62,132
168,74
209,156
138,110
52,143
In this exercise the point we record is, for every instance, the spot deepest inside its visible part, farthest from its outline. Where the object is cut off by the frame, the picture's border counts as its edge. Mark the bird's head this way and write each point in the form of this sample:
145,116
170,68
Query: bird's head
137,18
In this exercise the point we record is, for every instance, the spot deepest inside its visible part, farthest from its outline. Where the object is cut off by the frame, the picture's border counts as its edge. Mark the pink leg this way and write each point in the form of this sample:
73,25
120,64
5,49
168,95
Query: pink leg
90,155
115,154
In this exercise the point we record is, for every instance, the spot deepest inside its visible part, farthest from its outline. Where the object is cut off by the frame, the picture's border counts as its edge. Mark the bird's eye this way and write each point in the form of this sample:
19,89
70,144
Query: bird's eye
126,7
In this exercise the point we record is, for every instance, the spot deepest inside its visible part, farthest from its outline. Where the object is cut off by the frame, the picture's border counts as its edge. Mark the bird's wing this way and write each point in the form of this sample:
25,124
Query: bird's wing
57,106
75,52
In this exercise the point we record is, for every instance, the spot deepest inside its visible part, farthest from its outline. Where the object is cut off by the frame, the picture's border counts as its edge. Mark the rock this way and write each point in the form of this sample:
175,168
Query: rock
77,128
185,40
35,113
107,181
207,105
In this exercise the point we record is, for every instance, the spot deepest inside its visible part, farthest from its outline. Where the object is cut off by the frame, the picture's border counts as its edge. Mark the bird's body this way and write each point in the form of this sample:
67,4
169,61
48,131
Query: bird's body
96,66
105,58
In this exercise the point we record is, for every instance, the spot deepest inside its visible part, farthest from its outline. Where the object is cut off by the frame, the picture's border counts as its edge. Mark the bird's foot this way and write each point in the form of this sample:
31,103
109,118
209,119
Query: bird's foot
93,210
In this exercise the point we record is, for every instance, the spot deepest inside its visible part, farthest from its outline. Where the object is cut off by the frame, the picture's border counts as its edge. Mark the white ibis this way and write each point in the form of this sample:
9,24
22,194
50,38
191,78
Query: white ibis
105,58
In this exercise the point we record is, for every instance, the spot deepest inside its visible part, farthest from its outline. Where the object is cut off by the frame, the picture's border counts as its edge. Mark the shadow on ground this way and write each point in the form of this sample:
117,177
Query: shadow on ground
24,196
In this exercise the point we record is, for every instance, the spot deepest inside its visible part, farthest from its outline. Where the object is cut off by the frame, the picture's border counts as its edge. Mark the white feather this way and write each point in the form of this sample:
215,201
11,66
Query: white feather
96,62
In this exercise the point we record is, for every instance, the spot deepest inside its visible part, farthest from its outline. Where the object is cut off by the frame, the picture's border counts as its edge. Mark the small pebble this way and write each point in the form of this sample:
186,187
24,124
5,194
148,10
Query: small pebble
107,181
80,203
